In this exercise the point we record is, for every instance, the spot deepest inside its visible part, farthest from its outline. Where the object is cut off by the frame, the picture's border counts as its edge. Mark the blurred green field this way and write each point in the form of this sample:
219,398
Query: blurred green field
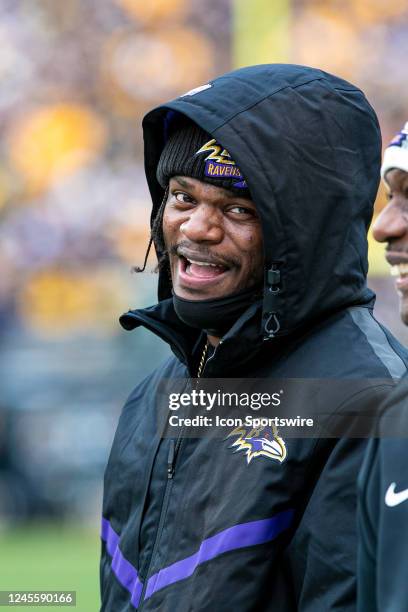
44,557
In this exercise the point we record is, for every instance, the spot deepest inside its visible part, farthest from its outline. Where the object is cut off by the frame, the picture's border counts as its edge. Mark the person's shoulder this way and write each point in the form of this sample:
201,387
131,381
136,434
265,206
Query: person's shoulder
371,347
394,412
349,344
391,442
167,369
399,394
385,348
141,402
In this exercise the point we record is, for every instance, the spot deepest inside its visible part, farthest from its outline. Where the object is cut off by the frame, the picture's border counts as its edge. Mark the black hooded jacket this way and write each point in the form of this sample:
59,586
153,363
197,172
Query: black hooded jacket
188,524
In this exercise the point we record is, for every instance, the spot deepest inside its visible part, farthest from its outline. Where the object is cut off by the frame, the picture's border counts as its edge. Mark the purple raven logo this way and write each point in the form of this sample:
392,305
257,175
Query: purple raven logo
259,442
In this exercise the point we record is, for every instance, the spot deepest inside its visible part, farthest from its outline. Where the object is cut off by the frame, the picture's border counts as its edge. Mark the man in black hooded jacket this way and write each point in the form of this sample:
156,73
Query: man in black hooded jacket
263,183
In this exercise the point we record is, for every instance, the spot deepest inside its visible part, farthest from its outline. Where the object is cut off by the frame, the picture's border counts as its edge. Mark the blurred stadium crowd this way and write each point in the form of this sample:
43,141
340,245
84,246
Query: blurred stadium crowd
77,78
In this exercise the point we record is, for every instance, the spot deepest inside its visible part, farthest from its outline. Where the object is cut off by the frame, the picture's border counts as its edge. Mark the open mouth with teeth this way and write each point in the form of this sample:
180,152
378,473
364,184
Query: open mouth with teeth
201,269
400,270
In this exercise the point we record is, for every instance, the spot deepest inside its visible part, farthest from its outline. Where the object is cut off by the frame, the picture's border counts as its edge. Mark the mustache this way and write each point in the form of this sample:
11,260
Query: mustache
393,248
208,254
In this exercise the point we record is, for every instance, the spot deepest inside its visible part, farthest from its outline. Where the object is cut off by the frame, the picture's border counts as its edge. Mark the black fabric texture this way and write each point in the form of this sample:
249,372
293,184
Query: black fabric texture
215,316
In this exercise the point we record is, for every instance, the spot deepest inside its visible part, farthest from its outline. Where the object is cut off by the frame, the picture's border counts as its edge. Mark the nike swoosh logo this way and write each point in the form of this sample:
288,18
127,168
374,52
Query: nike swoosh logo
394,499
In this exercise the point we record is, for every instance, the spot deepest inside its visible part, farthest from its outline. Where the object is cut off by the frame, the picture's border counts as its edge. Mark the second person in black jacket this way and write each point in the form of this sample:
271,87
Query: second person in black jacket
383,512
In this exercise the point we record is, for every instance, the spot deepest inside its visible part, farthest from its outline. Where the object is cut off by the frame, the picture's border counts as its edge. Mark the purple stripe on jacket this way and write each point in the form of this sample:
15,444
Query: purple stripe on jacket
123,570
233,538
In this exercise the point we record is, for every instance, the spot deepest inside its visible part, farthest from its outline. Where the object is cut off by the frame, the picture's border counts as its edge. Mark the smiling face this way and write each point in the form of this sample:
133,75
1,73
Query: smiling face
391,227
214,240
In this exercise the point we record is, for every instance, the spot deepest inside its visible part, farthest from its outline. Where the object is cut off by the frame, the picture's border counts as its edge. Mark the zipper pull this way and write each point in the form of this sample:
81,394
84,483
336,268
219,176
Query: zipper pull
170,460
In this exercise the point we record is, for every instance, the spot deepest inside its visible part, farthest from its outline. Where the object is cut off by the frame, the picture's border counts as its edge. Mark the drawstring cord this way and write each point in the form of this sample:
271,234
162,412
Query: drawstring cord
142,269
272,331
273,281
156,222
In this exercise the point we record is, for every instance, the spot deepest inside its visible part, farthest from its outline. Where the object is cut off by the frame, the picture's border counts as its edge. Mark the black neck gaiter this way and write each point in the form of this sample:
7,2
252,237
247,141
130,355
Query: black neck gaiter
215,316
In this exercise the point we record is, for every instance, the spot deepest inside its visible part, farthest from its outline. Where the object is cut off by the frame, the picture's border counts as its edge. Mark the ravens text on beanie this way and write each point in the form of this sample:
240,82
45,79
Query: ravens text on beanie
190,151
396,154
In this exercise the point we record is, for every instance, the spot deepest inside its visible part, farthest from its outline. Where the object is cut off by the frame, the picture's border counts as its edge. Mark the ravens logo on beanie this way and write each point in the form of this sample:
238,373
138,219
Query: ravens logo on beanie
190,151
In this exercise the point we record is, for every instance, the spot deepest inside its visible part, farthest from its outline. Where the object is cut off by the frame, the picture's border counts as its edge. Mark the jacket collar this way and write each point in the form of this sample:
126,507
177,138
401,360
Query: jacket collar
239,345
244,341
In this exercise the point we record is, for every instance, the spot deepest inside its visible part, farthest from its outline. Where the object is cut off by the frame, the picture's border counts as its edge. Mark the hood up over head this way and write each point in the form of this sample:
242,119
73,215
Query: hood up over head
309,145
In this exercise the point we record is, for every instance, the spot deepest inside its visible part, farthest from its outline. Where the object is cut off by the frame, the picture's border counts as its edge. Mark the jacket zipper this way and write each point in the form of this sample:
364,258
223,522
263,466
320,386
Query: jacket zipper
174,448
170,460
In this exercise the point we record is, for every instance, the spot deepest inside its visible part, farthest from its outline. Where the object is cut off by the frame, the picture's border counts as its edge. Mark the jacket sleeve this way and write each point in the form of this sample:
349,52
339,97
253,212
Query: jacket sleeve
323,552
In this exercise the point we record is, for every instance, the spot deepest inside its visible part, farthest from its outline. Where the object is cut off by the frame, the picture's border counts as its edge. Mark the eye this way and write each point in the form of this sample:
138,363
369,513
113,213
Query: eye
389,195
182,198
242,210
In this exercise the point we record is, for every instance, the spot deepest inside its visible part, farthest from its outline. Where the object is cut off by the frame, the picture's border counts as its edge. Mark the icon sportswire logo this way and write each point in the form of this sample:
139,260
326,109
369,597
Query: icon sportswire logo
393,498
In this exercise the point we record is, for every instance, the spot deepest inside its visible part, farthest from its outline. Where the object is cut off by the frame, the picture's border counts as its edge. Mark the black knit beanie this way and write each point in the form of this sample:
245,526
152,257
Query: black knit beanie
190,151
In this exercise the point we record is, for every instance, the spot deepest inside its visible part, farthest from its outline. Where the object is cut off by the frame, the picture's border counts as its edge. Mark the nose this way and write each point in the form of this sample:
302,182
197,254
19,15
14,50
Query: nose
390,224
204,224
